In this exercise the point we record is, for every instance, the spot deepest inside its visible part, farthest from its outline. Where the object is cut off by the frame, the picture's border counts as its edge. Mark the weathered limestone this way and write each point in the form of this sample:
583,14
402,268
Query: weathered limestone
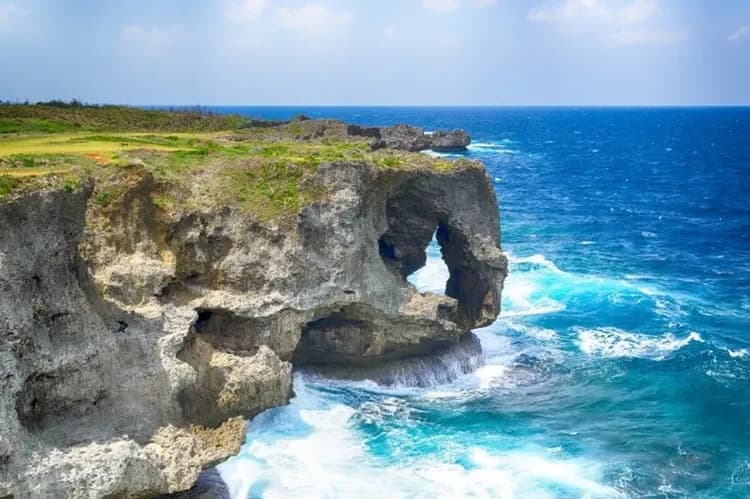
404,137
411,138
134,342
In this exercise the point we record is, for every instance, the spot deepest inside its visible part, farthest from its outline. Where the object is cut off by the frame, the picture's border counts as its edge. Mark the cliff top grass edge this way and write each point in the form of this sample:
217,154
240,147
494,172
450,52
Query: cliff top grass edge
197,158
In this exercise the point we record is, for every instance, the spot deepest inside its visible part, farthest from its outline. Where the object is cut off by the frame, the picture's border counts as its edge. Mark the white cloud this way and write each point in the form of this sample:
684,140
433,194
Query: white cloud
441,5
452,5
741,33
9,13
645,36
632,11
638,11
314,20
568,10
617,22
152,39
244,10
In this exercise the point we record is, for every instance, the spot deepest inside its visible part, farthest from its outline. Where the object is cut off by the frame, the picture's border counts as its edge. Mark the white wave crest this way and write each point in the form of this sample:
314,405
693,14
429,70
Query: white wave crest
525,293
613,342
537,259
535,332
738,354
312,449
471,385
492,147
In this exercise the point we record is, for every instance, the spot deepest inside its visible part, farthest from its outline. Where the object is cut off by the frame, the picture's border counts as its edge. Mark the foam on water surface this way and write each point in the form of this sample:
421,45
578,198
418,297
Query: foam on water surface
313,449
612,342
619,366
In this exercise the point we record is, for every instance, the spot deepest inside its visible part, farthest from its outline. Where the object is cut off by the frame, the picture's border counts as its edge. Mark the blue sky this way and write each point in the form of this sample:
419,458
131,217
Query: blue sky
385,52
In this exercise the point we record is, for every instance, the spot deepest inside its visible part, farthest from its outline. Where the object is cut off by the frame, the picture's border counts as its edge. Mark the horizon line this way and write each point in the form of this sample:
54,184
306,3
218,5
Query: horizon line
413,106
448,106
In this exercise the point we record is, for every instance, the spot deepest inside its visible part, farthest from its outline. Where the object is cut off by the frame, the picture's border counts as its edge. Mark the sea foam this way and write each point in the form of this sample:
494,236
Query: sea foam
613,342
525,291
485,148
313,449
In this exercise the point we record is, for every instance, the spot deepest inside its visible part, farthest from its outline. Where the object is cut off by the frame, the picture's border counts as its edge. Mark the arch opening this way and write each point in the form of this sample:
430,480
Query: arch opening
433,276
429,253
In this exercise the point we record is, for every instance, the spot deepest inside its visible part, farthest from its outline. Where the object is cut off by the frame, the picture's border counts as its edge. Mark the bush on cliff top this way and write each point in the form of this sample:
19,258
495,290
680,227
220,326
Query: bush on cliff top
58,116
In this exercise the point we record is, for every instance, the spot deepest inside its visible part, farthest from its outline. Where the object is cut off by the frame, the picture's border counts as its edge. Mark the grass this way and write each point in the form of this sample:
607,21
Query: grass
31,125
56,117
197,160
7,185
83,144
272,189
104,198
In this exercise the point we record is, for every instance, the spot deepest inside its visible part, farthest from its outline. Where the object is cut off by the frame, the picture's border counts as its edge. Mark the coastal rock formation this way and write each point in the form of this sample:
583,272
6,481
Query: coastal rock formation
134,341
410,138
403,137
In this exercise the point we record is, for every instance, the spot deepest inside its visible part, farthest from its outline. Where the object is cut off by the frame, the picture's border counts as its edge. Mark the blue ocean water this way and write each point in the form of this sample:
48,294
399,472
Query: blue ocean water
620,364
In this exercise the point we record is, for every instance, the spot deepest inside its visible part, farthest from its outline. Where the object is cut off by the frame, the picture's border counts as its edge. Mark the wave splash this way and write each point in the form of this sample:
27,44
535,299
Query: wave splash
526,290
442,367
612,342
331,432
322,443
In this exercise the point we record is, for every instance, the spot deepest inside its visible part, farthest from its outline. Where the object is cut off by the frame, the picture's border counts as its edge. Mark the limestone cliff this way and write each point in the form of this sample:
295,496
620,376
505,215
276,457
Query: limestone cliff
134,340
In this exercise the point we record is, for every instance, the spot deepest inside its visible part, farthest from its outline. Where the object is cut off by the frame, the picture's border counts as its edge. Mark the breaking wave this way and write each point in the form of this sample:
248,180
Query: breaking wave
317,448
612,342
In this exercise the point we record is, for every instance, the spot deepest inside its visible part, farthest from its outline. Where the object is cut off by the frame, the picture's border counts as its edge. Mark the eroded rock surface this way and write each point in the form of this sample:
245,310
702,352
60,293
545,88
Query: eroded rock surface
411,138
404,137
134,342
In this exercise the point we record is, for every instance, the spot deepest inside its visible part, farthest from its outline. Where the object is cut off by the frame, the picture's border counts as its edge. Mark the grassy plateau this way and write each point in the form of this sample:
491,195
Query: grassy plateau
197,159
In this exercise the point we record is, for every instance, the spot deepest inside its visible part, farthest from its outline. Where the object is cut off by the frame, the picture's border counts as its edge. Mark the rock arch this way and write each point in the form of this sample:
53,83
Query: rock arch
421,207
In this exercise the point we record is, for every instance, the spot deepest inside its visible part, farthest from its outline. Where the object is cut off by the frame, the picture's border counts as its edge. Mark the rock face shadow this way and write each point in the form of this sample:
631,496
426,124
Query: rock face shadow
443,365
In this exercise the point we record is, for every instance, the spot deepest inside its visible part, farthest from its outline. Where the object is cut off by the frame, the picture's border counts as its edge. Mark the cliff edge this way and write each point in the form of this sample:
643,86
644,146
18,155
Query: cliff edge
152,300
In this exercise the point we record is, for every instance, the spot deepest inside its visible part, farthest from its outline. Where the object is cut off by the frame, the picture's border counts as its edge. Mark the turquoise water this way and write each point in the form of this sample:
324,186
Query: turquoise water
620,364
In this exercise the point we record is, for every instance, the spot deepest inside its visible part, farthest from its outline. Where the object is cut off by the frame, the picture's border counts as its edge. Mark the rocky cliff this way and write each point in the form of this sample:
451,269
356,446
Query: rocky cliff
136,334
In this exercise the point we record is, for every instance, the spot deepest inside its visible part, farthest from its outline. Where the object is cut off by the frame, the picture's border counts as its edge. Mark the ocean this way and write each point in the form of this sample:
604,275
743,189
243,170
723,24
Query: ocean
620,364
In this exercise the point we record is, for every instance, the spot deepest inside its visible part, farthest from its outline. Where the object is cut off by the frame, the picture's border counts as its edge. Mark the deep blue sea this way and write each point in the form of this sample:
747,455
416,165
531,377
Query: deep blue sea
620,364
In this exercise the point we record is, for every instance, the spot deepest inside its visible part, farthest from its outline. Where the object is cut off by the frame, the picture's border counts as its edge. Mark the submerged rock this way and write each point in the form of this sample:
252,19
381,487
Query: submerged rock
134,341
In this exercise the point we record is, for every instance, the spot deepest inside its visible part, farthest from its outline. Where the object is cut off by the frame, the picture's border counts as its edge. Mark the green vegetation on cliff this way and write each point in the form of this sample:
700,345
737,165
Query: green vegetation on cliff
196,159
56,117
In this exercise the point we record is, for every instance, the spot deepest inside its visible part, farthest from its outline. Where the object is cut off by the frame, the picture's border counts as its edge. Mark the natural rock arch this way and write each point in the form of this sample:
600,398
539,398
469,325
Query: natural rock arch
417,210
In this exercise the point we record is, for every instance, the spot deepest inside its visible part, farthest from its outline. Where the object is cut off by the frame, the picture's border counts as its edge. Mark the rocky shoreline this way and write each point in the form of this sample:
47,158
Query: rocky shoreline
134,340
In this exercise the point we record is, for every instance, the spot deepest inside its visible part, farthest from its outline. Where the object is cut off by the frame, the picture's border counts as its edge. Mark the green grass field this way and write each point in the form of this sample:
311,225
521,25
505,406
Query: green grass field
196,160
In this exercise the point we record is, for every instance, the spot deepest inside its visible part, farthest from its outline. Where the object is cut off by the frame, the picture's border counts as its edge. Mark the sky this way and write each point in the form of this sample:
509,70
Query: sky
377,52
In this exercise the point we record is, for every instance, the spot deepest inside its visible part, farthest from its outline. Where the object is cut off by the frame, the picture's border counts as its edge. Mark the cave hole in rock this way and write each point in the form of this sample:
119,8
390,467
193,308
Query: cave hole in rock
418,254
433,276
226,331
414,240
337,338
215,330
